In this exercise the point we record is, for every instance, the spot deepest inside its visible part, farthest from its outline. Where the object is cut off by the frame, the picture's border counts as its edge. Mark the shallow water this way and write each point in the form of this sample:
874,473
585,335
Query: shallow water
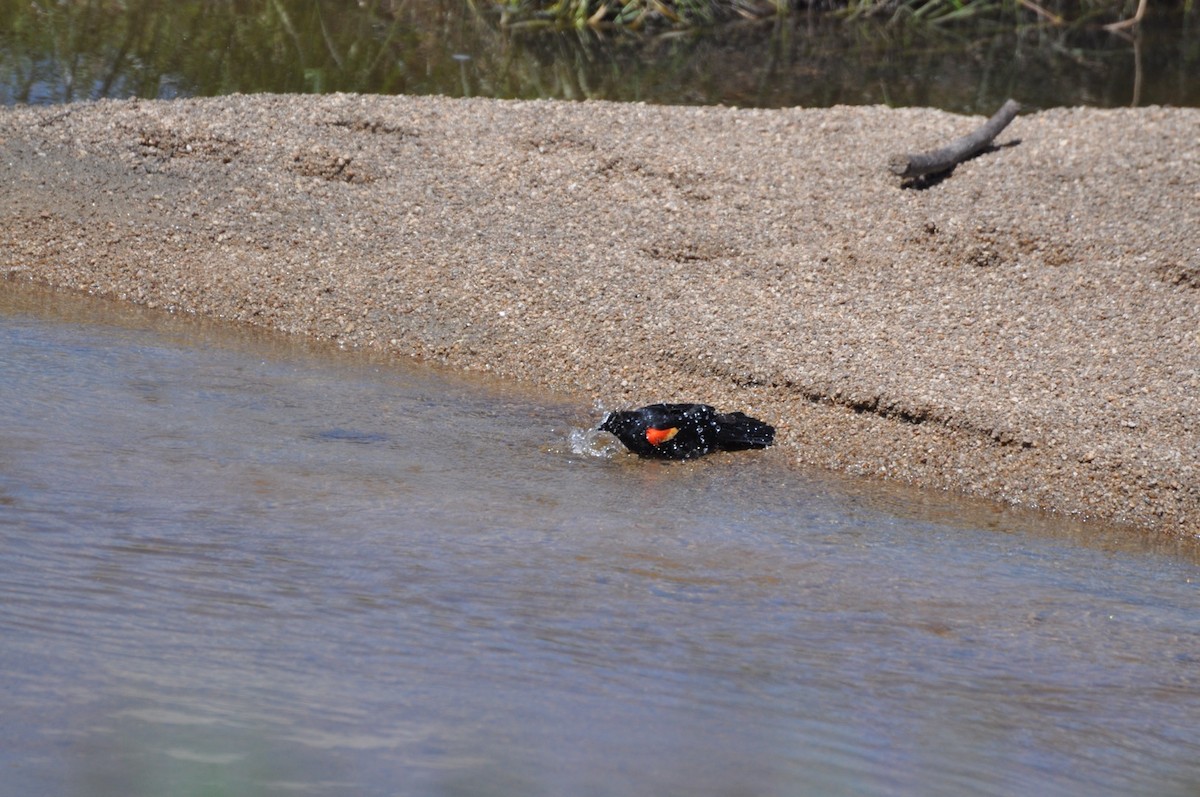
235,564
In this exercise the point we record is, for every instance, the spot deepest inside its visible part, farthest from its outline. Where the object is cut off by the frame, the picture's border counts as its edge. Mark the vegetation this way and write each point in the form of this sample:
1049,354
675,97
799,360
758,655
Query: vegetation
765,53
640,14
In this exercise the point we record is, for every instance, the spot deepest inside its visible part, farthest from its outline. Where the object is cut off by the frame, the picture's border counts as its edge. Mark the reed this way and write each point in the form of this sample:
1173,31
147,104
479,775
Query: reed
879,51
686,14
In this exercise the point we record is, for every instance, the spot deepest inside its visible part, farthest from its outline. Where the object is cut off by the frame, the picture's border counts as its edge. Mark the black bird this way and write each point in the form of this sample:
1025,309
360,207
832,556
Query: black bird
683,431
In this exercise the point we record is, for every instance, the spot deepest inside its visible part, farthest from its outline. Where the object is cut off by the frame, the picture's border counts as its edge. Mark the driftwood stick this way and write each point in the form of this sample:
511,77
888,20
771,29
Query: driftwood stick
957,150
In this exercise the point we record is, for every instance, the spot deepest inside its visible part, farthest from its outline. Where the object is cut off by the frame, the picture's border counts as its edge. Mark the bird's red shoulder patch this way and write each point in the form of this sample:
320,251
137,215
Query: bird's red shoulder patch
657,437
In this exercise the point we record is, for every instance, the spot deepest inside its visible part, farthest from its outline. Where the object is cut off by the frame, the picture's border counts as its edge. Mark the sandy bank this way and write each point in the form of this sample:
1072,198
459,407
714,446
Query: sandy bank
1027,330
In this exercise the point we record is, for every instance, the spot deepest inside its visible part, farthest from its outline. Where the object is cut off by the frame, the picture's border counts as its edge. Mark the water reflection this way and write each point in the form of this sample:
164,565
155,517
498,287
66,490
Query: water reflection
236,564
57,52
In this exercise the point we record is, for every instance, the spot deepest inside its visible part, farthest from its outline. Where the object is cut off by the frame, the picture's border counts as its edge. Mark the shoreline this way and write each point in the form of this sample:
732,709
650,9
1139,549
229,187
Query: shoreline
1026,330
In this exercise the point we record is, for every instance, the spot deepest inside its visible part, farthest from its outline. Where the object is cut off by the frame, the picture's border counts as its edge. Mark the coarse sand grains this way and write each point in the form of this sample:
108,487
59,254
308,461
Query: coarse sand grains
1027,329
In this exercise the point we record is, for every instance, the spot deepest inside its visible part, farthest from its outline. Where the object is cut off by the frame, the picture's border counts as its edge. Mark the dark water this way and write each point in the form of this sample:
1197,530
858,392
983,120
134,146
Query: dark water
53,52
233,565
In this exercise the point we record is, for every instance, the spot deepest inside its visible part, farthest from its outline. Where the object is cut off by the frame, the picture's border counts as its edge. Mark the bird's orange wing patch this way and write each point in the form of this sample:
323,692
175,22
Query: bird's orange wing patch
657,437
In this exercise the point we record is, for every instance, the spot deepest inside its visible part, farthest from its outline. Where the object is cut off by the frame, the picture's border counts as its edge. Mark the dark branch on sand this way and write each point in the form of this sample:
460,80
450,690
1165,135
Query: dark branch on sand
958,150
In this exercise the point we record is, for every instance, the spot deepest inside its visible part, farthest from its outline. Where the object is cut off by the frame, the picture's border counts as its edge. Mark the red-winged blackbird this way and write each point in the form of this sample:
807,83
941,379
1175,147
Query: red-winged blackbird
683,431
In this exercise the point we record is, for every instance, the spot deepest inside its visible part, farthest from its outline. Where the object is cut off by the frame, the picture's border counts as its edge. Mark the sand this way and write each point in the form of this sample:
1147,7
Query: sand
1027,330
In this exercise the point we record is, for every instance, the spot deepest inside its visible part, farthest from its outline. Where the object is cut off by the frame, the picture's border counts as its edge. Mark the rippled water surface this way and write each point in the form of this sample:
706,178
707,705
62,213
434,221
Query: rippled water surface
231,565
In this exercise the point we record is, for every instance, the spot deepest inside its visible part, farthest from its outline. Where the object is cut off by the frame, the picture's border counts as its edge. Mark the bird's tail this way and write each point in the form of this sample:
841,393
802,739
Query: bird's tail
737,431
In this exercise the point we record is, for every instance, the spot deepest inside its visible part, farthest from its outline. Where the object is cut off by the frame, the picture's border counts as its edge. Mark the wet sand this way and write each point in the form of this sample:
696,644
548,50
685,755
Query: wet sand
1027,330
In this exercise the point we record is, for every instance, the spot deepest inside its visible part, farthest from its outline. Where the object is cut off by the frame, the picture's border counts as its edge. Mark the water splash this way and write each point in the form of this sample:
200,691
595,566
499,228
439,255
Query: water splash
592,442
588,441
